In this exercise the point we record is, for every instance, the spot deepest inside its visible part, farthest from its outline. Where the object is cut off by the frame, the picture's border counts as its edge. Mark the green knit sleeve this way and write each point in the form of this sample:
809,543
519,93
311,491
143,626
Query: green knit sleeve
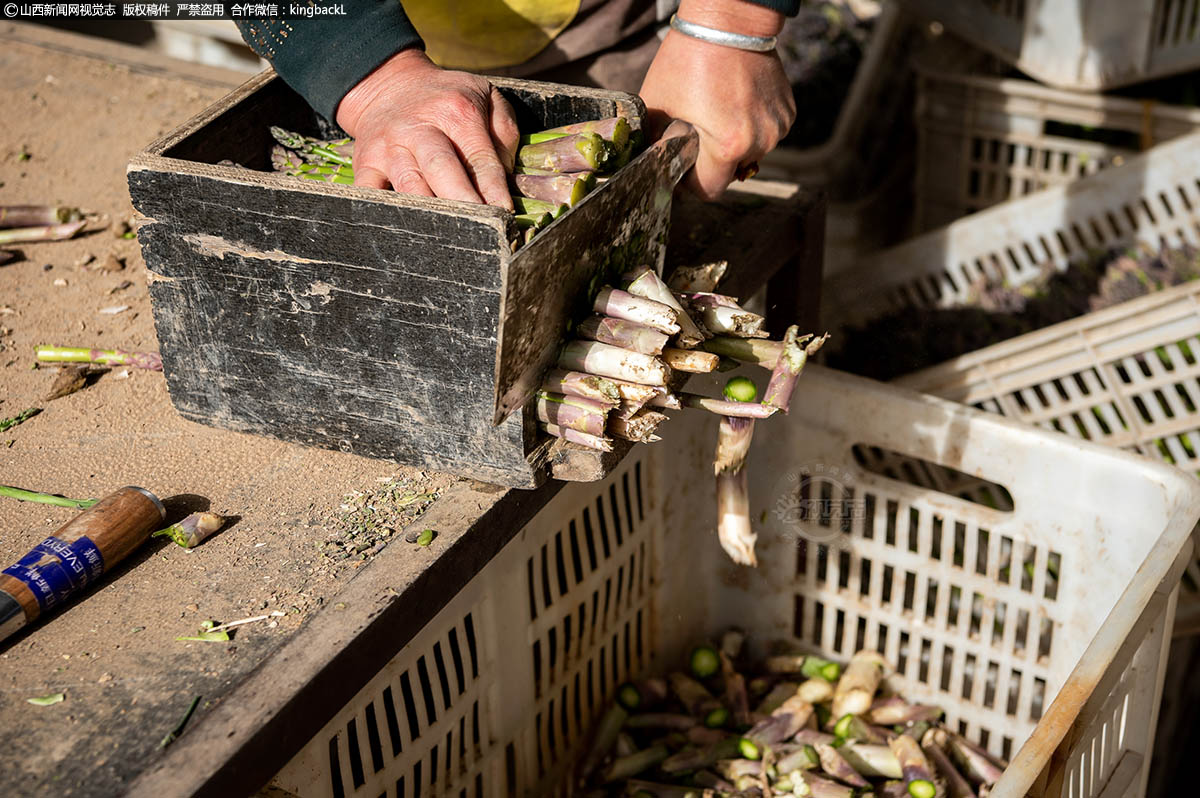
323,57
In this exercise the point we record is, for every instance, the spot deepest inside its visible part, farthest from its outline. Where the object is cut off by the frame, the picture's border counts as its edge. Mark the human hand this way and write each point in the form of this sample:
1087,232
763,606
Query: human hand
740,102
431,131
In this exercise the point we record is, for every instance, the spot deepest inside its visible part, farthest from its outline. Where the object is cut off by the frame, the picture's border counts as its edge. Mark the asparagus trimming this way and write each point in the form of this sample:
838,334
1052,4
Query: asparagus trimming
755,351
638,427
855,691
775,698
932,744
578,152
918,774
581,438
48,232
783,723
572,412
193,530
668,400
555,189
613,362
698,278
975,763
872,761
603,739
633,764
647,285
151,361
833,763
745,410
624,305
37,215
670,721
789,365
690,360
528,205
894,711
625,334
576,383
614,128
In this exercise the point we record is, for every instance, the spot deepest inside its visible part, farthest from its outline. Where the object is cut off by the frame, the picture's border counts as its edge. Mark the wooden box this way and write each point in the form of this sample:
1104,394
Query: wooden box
356,319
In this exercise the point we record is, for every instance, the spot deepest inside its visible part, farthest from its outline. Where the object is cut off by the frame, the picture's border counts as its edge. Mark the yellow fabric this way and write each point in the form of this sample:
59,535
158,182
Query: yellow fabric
485,34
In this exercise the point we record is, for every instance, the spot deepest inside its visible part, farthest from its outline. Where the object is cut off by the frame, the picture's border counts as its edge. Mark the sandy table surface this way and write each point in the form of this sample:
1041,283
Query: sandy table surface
126,680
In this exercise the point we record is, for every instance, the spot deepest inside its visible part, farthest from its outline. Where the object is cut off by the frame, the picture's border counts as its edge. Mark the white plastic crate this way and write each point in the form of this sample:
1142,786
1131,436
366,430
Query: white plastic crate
1078,44
983,140
495,697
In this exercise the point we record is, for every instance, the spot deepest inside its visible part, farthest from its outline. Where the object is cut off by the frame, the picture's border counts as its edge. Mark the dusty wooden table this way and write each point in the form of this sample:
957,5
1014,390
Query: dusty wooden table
127,680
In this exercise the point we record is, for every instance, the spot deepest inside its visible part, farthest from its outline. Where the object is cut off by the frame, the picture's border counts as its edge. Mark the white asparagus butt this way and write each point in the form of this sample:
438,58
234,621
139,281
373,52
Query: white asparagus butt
624,305
733,518
575,436
613,362
856,689
691,360
648,286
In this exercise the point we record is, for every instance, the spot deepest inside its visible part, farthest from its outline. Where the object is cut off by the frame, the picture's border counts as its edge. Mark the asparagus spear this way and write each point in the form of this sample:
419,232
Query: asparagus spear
44,498
697,758
933,744
576,383
625,334
835,765
754,351
537,206
603,739
555,189
571,412
20,418
744,410
775,698
193,530
690,360
789,365
856,689
578,152
812,737
803,758
647,285
668,400
151,361
613,362
623,305
872,761
893,711
723,316
626,766
917,773
815,690
639,427
698,278
49,232
976,764
783,723
615,129
532,221
311,149
853,727
37,215
581,438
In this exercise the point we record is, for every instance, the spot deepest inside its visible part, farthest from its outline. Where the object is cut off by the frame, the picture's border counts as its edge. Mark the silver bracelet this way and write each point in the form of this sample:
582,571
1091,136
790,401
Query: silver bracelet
740,41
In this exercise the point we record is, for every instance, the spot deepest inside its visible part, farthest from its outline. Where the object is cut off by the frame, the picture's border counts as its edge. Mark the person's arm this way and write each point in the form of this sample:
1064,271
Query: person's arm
740,101
419,128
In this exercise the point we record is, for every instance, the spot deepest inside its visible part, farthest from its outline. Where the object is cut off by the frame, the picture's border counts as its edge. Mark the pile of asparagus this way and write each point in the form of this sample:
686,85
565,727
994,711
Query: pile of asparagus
616,377
554,169
814,730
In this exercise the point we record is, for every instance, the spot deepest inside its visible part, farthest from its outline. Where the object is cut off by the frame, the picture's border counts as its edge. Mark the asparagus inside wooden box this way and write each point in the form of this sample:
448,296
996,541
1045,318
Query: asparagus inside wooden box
367,320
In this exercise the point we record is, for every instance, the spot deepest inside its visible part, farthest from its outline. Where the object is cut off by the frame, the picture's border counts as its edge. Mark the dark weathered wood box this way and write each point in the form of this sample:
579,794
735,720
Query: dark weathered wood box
349,318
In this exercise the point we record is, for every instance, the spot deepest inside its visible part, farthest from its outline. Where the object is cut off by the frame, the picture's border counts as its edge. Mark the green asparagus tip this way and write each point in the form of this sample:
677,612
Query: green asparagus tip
704,661
748,749
841,729
716,718
426,537
831,671
922,788
629,696
741,389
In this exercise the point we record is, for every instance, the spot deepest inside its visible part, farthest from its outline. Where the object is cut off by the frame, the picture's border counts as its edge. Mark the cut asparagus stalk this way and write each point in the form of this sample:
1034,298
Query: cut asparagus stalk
853,727
635,392
803,758
698,278
625,334
328,177
932,744
555,189
613,362
835,765
578,152
647,789
556,409
783,723
626,410
744,410
626,766
754,351
581,438
706,778
735,696
704,661
732,641
856,689
624,746
660,720
311,149
37,215
667,400
529,170
647,285
624,305
722,319
642,693
807,664
895,711
606,734
733,518
736,769
193,530
639,427
576,383
697,758
812,737
872,761
918,774
48,232
528,205
975,763
150,361
775,698
789,365
815,691
703,735
820,787
892,789
690,360
615,129
532,221
694,696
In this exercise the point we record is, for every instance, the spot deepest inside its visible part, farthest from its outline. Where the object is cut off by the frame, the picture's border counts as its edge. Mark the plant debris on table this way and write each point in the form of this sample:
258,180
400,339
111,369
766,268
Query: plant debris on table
367,520
914,338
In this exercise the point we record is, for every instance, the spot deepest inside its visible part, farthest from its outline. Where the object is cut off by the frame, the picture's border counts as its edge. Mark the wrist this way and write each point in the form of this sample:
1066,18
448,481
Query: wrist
734,16
352,105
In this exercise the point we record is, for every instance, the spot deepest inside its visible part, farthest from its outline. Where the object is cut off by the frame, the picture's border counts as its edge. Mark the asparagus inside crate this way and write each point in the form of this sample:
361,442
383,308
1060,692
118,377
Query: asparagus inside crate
554,169
792,724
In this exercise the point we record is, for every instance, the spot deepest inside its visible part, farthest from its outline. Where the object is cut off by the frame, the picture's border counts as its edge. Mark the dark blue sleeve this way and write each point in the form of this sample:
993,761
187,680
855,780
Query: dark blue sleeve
324,57
787,7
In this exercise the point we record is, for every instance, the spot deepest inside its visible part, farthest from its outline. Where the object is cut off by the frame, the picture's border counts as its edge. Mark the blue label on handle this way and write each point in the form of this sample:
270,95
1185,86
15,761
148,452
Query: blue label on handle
54,569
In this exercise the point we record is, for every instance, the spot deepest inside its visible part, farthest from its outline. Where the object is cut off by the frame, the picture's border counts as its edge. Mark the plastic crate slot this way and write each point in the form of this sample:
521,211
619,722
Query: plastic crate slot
563,725
410,707
373,742
902,654
618,532
839,631
603,527
418,783
427,691
989,686
560,565
439,663
393,724
947,669
529,583
510,769
576,558
637,482
456,658
335,769
356,765
630,519
589,538
547,599
551,654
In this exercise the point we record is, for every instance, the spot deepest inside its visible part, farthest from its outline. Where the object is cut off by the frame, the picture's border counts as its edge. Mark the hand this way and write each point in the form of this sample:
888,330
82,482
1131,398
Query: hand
740,102
430,131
